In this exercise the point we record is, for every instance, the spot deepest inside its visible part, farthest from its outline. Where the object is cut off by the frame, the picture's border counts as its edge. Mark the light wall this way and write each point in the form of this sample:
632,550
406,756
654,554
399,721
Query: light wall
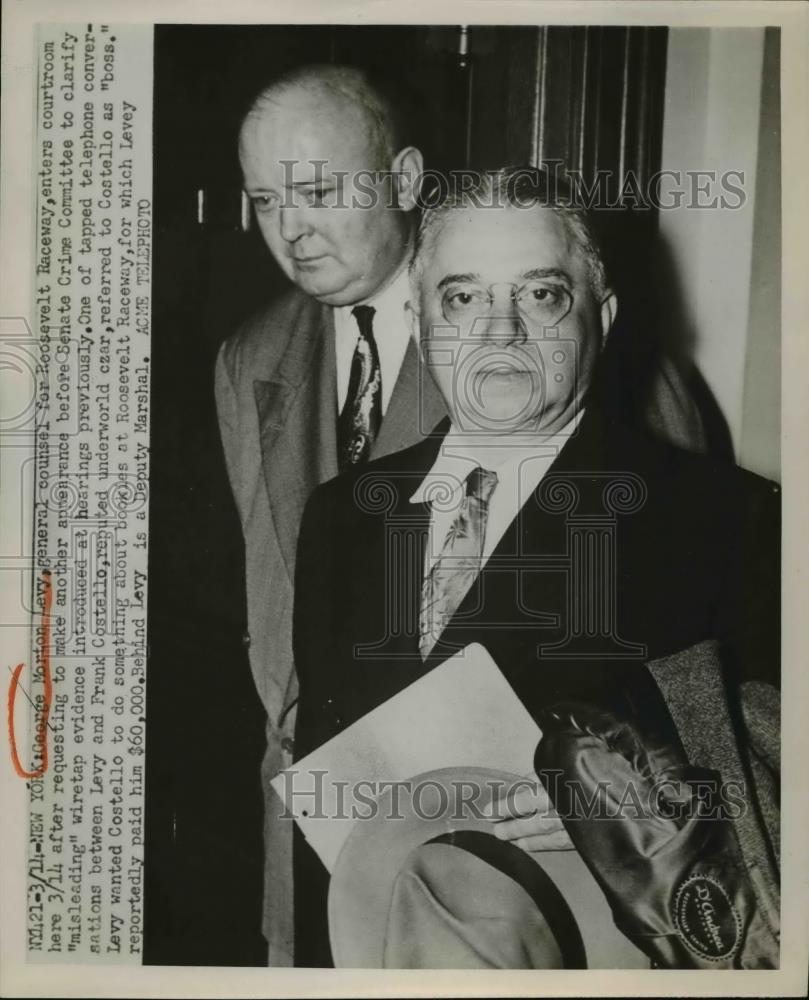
722,114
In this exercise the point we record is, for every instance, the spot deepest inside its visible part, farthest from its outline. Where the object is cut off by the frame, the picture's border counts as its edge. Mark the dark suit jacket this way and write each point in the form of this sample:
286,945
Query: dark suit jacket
682,548
276,396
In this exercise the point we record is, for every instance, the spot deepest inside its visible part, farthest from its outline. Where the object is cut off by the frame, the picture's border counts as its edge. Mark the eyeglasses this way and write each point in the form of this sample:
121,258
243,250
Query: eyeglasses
539,302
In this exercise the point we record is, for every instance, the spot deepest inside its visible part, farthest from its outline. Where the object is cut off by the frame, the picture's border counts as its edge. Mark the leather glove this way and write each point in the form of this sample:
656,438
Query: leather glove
666,858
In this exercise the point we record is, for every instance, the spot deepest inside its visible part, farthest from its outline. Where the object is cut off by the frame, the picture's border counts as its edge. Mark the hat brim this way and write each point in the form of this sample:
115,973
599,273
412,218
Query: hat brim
362,881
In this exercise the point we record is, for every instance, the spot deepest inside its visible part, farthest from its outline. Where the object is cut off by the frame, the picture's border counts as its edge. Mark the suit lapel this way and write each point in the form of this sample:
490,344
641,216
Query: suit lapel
382,591
297,410
297,425
414,409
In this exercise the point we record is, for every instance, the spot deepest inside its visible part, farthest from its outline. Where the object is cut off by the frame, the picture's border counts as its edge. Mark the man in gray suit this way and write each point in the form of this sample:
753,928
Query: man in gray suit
326,377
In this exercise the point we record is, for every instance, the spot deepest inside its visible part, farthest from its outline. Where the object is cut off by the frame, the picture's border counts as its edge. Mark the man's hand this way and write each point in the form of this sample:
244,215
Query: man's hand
525,816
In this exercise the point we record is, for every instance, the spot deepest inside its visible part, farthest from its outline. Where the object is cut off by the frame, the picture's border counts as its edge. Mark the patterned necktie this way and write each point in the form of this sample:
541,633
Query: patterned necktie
361,416
458,565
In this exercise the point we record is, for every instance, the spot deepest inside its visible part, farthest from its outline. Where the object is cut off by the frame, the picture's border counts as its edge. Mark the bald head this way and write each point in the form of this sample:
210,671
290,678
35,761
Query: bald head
332,190
345,91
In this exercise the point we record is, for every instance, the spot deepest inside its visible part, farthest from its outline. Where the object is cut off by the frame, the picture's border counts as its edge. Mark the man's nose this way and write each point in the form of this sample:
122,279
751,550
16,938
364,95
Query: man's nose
504,325
294,223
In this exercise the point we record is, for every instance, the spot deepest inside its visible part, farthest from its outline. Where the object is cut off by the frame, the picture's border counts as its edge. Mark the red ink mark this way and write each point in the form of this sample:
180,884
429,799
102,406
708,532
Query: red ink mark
42,722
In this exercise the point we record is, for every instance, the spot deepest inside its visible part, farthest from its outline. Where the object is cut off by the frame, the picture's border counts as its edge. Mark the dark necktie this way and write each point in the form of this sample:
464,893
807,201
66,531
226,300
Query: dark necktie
358,424
458,565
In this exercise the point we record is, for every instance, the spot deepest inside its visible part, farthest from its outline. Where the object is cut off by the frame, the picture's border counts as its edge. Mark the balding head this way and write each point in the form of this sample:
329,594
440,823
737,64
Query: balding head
330,185
346,90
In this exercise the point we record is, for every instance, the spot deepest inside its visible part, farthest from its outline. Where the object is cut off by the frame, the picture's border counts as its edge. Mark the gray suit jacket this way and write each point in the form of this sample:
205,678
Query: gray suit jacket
276,395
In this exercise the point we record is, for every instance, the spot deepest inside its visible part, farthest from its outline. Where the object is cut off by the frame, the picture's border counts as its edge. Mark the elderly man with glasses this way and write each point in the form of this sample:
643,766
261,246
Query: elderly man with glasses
597,565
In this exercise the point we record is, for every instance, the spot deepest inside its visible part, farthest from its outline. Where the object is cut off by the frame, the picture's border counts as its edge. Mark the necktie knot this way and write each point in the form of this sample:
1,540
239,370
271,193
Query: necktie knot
480,484
364,315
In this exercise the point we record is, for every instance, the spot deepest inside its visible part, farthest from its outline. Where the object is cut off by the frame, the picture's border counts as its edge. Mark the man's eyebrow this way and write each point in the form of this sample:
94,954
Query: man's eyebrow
261,189
533,274
452,279
547,272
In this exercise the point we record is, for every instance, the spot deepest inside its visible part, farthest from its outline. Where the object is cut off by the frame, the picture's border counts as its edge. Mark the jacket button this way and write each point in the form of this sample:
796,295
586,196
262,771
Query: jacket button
246,640
288,745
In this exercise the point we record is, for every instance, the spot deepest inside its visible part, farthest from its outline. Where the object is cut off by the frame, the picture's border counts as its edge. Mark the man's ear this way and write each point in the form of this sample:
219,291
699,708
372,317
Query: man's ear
413,321
408,167
609,310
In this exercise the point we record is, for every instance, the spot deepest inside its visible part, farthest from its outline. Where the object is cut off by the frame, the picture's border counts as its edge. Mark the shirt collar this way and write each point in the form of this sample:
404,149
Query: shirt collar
389,302
459,453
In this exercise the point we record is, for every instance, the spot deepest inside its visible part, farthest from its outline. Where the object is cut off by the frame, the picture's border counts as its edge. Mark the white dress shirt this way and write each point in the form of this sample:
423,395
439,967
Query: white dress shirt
520,464
391,333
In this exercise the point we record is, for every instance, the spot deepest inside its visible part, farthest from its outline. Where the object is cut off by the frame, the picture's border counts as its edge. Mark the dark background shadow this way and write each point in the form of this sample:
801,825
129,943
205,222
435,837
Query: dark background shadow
653,322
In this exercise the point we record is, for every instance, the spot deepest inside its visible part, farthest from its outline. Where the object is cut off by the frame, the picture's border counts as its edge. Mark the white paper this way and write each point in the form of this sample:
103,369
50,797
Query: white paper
463,713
